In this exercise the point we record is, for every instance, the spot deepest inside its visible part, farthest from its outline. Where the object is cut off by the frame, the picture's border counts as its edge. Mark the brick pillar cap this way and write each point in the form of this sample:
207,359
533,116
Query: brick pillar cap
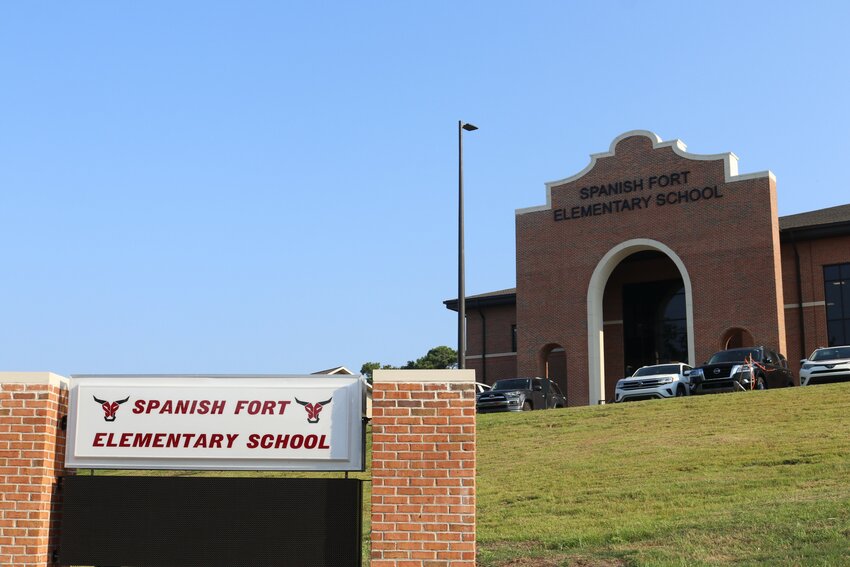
466,376
34,378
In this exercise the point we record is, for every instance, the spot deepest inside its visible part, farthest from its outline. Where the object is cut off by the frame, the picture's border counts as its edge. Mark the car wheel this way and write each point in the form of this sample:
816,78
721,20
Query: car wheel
680,391
526,406
760,383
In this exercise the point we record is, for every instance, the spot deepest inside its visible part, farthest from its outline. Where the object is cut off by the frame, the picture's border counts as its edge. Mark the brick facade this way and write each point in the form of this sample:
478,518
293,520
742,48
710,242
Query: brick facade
491,336
559,254
423,468
813,256
32,453
739,270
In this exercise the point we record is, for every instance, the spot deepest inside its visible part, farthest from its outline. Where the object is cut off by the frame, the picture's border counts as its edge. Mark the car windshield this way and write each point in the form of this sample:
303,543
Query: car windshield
831,353
513,384
737,355
659,369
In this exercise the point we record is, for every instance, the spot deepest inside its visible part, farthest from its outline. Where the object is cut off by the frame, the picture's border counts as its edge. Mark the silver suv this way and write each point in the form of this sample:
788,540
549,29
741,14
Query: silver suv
656,381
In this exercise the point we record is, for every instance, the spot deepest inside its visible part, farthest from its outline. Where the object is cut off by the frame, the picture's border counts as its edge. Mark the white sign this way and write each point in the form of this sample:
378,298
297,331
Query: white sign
216,422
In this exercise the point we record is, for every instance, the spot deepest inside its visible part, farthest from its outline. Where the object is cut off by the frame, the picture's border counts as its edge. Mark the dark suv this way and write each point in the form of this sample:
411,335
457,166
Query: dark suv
521,394
739,369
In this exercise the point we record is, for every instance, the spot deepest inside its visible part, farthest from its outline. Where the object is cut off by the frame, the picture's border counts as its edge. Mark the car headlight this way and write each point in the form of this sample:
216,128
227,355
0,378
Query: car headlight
514,398
744,371
666,380
806,366
620,383
696,372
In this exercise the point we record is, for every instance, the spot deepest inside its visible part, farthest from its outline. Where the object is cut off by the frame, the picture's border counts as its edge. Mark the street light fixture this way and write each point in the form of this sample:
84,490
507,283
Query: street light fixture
461,284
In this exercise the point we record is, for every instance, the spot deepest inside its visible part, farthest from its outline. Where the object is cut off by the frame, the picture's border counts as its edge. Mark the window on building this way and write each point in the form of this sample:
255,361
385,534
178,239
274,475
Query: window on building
513,338
836,281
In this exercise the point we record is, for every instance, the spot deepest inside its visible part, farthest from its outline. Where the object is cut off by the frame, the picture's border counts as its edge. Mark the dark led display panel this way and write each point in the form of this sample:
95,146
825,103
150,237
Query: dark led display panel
201,521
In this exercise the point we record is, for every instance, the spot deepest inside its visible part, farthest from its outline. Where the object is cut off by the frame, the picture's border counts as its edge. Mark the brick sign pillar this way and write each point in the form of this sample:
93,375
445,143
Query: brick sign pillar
423,468
32,453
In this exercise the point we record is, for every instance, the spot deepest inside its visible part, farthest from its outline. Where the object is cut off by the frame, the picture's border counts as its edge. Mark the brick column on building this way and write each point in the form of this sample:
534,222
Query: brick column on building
32,455
423,468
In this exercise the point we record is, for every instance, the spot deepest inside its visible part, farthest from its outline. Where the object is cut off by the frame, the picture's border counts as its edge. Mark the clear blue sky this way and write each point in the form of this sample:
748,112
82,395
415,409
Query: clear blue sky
271,186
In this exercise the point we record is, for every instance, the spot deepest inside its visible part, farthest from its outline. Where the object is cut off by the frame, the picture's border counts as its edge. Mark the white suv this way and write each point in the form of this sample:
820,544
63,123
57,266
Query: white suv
657,381
831,364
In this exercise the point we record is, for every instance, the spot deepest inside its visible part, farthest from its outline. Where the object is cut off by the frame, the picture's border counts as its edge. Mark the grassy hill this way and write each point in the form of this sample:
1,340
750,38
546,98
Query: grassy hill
758,478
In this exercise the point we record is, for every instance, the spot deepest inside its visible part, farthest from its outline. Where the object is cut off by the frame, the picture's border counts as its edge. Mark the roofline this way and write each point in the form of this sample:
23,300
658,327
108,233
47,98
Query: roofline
730,164
814,231
487,301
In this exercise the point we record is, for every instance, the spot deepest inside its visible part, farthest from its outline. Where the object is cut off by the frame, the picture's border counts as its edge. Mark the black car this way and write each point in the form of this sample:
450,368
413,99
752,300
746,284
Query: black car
521,394
740,369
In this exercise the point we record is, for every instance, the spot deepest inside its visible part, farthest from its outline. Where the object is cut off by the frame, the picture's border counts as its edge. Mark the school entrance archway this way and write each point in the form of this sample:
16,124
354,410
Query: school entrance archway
660,311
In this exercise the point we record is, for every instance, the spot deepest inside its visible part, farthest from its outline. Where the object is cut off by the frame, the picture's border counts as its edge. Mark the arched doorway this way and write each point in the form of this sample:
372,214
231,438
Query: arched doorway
552,363
736,337
656,321
652,309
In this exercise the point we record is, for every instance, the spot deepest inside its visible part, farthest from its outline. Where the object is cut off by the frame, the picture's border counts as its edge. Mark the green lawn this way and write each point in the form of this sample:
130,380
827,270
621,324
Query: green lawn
757,478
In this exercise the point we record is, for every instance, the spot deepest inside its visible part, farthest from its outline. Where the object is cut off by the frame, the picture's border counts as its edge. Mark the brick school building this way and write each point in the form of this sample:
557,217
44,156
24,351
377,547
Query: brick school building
653,254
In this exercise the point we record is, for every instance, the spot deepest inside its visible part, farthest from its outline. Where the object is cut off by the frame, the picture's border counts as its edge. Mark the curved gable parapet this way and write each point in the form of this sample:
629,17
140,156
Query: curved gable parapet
730,164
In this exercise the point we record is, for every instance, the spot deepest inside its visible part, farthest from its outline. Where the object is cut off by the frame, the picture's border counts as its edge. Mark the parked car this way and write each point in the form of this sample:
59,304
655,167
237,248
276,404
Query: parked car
521,394
740,369
656,381
825,365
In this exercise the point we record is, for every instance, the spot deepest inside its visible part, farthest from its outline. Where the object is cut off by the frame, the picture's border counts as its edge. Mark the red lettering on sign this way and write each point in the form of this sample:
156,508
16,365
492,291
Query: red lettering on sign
261,407
142,440
286,441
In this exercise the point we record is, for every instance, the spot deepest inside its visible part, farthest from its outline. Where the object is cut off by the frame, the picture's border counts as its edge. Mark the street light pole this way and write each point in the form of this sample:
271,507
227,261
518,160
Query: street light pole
461,284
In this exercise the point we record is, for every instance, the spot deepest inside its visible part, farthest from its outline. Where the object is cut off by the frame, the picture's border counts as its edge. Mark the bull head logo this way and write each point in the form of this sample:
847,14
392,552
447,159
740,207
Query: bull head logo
110,408
313,409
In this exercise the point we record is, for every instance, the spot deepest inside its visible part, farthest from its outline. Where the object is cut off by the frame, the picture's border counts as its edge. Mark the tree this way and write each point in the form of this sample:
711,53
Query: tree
437,358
